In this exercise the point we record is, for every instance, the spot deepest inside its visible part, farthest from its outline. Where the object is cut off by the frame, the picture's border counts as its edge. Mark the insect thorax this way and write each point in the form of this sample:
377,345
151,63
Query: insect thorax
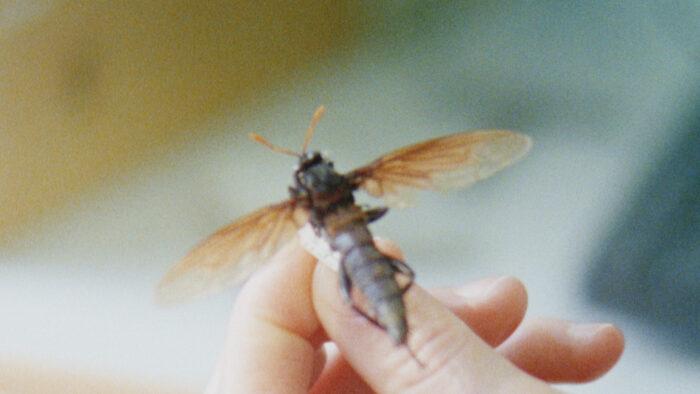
317,179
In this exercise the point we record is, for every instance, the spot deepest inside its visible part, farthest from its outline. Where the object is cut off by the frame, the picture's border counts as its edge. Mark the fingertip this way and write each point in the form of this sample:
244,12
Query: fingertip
496,291
388,247
279,292
601,344
286,272
493,307
615,343
616,340
506,303
563,352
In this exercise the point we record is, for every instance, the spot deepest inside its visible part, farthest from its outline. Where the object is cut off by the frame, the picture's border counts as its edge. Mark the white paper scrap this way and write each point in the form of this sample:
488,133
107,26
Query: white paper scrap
319,246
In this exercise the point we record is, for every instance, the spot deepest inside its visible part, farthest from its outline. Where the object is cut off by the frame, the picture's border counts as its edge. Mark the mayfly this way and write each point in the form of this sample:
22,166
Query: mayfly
323,197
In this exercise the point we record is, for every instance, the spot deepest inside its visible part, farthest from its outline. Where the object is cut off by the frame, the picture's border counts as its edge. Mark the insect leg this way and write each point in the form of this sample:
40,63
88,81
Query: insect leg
404,269
375,213
345,283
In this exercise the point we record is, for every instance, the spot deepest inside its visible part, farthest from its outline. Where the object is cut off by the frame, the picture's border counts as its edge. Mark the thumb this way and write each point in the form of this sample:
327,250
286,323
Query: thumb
451,358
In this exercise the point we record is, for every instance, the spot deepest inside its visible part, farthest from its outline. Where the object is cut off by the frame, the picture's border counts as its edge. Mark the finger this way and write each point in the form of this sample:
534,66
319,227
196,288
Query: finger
493,308
272,329
453,357
559,351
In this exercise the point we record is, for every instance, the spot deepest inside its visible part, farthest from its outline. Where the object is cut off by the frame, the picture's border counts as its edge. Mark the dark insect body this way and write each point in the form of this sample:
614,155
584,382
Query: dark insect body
324,198
328,196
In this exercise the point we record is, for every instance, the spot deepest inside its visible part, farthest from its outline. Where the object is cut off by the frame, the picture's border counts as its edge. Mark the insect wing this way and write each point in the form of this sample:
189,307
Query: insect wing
441,164
231,254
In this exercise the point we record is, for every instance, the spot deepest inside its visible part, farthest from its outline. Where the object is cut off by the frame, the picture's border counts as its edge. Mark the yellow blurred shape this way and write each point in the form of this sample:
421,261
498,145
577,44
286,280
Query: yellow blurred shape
90,89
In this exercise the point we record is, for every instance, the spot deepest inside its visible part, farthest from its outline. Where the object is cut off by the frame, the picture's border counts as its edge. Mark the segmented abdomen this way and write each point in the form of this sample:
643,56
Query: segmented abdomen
367,269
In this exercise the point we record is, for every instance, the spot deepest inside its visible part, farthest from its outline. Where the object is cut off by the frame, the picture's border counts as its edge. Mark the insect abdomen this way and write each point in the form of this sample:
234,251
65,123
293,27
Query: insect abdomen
373,273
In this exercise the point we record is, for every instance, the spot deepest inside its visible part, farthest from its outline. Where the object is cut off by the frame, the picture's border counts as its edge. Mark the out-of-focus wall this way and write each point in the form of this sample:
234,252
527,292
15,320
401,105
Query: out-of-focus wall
90,89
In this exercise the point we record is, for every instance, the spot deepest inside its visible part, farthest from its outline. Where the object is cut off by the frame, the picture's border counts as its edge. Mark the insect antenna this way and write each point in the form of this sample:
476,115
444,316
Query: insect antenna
310,131
260,140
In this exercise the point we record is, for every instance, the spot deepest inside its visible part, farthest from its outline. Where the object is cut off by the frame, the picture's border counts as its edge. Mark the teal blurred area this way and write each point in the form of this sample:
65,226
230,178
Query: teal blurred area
605,89
648,266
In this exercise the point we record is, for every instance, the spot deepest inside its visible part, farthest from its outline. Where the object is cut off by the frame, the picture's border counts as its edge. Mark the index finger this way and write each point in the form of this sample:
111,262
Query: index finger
270,342
440,353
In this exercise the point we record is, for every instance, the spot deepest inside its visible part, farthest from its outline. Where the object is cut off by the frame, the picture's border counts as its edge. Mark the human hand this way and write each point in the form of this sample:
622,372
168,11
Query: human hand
470,339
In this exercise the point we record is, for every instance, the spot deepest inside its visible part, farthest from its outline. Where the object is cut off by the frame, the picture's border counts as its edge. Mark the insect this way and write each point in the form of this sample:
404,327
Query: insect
323,197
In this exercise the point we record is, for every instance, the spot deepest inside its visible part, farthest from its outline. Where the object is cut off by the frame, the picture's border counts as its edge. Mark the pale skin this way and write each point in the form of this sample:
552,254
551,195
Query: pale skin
470,339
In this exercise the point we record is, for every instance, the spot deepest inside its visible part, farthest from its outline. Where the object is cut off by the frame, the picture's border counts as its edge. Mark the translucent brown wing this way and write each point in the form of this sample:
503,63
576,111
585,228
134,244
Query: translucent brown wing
231,254
441,164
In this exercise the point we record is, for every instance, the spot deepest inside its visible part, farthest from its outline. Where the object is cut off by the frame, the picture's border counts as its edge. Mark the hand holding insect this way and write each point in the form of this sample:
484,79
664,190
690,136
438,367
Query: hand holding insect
464,336
286,311
324,198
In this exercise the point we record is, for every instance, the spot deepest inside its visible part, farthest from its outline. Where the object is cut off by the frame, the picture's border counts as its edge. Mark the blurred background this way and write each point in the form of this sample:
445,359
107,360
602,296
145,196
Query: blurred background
123,143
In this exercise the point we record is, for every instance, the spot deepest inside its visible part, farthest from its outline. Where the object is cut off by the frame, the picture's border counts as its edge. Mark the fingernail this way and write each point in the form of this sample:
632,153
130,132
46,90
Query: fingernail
586,332
481,290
